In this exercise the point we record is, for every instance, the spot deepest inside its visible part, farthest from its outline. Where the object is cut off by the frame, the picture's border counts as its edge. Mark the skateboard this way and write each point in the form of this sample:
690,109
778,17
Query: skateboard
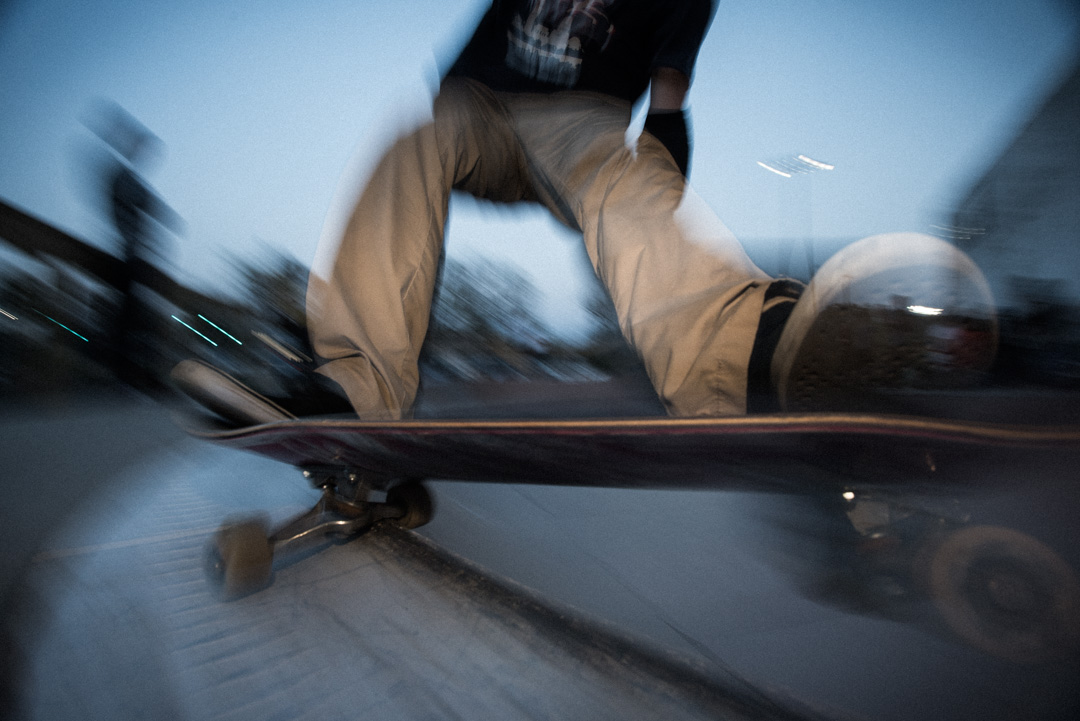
371,472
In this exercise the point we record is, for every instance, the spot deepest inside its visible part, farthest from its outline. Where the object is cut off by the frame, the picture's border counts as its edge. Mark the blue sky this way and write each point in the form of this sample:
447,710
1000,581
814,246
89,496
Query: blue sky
272,111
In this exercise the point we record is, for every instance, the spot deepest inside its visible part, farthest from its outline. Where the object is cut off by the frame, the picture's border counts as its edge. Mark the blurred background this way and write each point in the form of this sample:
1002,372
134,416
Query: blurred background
171,173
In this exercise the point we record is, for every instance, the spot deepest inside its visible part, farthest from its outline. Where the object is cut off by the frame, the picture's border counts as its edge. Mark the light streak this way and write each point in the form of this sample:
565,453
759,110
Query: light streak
222,330
774,170
816,163
288,353
62,325
195,331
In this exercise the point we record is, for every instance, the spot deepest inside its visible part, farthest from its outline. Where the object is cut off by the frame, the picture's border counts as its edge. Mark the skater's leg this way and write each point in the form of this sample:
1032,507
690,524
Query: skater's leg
687,296
369,318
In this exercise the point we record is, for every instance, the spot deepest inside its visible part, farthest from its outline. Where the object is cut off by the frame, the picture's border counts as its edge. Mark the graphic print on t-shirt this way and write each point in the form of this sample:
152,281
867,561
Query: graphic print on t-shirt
548,44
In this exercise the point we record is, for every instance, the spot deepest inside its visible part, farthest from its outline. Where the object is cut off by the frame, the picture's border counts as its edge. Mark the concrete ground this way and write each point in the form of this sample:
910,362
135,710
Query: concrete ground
515,602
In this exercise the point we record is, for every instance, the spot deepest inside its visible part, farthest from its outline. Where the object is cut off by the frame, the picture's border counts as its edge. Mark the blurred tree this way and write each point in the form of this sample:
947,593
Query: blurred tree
275,286
483,322
605,324
605,348
486,300
273,289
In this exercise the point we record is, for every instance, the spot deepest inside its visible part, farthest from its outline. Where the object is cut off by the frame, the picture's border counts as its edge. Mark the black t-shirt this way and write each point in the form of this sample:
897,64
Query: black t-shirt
605,46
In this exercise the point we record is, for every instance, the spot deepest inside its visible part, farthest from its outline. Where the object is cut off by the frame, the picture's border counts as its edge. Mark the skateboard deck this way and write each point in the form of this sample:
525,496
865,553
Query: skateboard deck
763,453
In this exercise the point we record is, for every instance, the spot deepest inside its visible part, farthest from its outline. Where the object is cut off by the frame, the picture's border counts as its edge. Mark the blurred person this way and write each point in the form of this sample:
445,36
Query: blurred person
535,110
137,212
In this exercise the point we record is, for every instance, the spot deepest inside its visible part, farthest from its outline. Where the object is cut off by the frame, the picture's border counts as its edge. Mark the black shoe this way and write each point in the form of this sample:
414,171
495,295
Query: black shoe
780,300
238,403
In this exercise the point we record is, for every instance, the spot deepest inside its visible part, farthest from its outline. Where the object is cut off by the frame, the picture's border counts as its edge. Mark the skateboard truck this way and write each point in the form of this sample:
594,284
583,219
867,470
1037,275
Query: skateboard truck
240,559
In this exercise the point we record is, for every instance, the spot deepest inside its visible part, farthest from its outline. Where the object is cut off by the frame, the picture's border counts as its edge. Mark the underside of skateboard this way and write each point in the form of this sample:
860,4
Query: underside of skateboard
997,589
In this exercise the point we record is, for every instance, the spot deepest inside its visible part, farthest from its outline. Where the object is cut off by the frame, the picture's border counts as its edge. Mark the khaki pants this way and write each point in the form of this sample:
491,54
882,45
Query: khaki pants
687,297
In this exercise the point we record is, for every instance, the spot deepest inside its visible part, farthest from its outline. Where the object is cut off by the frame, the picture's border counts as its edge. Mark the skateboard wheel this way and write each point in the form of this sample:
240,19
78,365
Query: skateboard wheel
240,558
1006,593
416,501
